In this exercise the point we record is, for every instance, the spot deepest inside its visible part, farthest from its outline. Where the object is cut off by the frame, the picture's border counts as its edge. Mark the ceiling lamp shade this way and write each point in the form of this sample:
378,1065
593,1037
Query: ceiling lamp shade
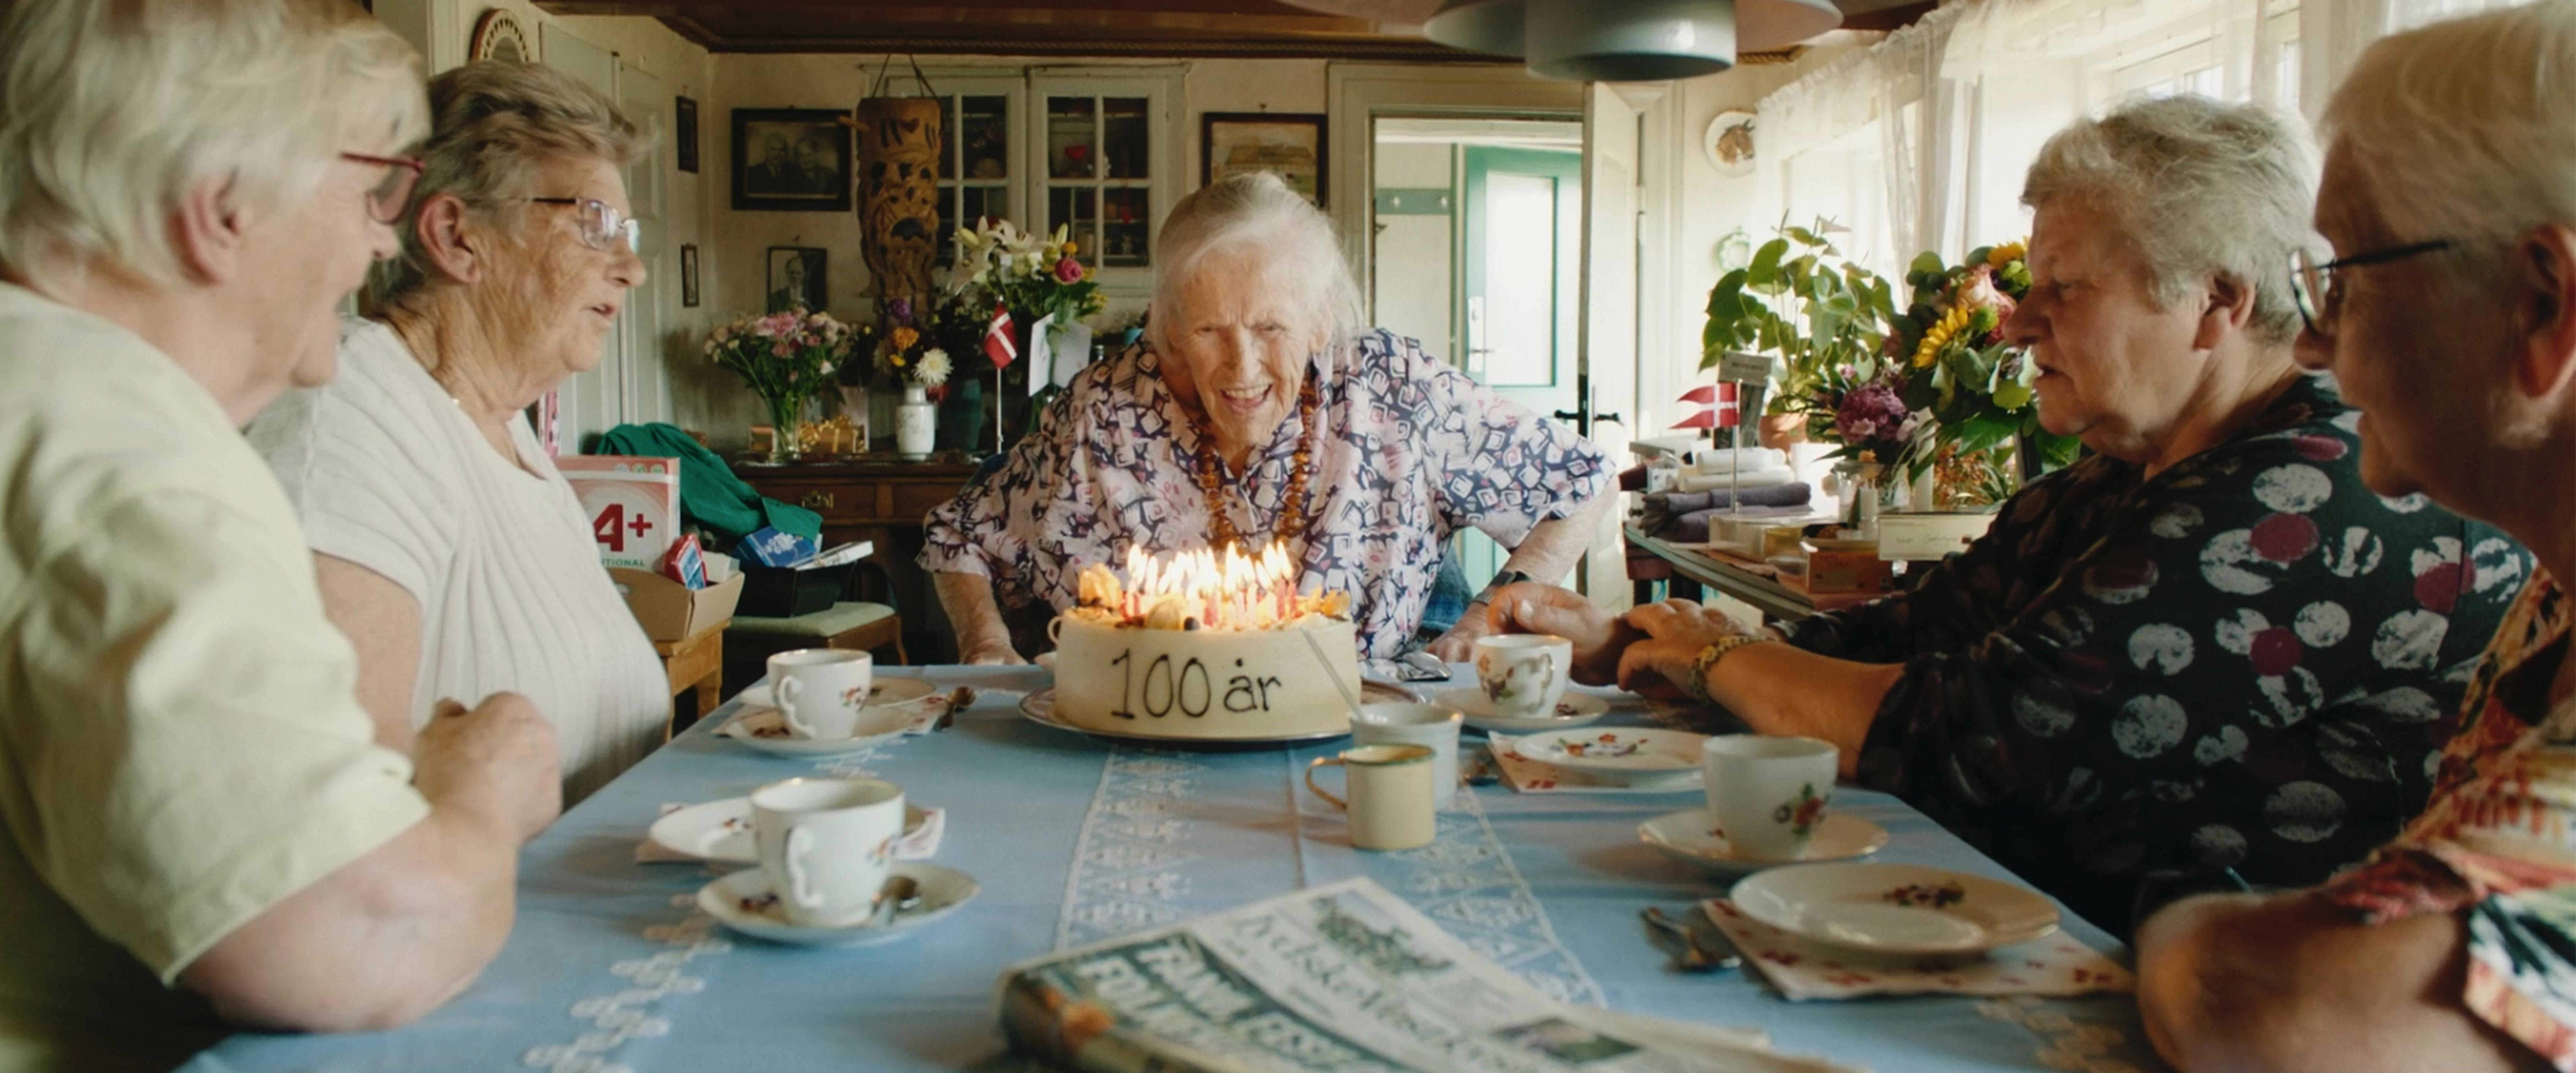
1627,40
1488,26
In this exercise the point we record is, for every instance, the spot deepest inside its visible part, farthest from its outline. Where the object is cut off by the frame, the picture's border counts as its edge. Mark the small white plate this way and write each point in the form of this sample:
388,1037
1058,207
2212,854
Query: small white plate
888,690
720,831
1627,751
742,901
1895,908
1577,709
1691,837
893,707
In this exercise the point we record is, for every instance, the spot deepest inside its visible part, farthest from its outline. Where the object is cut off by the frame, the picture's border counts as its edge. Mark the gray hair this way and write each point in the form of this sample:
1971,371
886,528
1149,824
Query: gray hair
494,124
1258,208
2203,189
2466,130
110,112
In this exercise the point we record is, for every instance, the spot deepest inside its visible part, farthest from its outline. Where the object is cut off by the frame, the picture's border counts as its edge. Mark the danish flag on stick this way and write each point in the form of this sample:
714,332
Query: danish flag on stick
997,338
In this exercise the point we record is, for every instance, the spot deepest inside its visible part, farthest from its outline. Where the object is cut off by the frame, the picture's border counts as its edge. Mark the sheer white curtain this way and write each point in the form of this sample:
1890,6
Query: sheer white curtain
2333,34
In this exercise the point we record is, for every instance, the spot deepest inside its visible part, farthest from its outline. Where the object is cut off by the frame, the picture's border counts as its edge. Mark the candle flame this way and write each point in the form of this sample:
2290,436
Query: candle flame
1205,589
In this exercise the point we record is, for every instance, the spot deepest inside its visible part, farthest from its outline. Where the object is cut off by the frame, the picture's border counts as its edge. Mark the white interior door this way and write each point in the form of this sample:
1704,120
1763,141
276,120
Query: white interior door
646,374
594,401
1606,351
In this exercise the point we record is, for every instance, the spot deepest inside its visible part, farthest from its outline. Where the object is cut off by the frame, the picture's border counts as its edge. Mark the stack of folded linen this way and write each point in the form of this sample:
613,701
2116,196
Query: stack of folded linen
1684,516
1741,468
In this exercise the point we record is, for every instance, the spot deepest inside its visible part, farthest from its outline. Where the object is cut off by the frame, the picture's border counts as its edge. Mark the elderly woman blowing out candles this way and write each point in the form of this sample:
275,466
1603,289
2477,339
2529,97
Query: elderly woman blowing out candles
1257,413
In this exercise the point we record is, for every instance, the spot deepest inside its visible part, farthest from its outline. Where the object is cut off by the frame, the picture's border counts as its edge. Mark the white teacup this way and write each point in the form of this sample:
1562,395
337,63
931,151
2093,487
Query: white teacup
819,691
1428,725
1768,794
1523,674
1390,788
827,846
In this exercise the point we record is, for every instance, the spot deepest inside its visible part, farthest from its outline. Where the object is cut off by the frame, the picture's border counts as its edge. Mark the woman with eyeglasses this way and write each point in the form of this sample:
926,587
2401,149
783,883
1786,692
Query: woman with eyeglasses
2205,655
448,547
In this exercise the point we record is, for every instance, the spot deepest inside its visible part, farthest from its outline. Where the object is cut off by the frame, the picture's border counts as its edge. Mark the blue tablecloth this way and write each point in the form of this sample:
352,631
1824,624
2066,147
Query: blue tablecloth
611,969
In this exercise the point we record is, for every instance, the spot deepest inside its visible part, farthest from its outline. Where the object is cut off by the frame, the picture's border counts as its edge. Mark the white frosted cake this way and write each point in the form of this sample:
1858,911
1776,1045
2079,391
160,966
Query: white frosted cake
1209,650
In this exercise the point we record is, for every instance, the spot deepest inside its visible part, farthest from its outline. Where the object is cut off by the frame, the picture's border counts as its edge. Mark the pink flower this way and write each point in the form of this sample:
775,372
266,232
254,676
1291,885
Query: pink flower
781,348
1978,291
1870,412
1068,270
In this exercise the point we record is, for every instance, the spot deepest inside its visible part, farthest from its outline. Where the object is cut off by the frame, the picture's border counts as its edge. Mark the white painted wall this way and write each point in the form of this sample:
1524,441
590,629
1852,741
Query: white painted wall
1413,285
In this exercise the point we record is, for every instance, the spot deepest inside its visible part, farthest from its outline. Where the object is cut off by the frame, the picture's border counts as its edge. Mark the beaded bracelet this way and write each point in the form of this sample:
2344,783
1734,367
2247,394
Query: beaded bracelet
1697,687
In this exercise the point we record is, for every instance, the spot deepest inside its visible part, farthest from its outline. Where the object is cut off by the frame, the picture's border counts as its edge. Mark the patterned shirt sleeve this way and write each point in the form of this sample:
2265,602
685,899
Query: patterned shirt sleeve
1503,469
985,530
2226,667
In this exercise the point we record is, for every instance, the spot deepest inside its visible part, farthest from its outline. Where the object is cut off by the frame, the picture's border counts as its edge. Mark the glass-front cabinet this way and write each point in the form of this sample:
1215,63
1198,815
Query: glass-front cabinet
982,162
1111,167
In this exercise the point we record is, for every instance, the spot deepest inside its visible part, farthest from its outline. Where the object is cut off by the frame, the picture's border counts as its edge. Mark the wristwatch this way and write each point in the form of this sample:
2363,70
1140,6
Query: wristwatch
1501,581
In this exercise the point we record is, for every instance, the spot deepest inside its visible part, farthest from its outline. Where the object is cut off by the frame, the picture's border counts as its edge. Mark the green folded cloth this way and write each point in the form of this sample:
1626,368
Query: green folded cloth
710,494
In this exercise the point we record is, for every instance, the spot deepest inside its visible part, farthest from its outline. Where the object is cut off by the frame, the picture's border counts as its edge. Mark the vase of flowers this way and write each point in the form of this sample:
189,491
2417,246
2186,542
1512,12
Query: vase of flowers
1972,384
785,358
911,359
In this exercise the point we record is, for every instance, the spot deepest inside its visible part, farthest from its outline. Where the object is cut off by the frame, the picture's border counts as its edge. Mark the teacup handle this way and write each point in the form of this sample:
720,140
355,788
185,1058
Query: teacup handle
800,881
789,688
1326,761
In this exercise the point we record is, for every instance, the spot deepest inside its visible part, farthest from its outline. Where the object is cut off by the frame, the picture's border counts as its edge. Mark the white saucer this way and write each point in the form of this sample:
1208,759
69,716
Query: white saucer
888,690
943,890
1628,751
720,831
893,707
1577,709
1895,908
1691,837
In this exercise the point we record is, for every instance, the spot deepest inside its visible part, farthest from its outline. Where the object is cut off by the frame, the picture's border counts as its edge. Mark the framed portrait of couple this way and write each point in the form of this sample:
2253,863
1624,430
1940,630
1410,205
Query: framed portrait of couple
790,160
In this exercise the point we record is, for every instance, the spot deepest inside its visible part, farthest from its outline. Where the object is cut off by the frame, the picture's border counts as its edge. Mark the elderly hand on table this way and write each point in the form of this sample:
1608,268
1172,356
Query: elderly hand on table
1674,633
1599,636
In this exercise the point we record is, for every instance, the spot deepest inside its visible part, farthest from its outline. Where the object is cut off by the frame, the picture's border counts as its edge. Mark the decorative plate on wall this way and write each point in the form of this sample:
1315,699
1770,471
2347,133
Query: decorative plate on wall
497,36
1729,144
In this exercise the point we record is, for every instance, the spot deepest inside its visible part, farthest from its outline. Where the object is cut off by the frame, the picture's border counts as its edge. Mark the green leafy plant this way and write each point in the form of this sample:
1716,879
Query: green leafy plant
1802,301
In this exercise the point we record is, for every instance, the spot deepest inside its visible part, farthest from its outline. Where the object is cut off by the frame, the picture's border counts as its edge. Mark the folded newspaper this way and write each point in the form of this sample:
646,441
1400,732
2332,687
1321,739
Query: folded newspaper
1340,979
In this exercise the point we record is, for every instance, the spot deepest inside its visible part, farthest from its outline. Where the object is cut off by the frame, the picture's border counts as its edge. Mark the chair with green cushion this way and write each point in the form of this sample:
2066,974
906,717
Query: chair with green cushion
751,640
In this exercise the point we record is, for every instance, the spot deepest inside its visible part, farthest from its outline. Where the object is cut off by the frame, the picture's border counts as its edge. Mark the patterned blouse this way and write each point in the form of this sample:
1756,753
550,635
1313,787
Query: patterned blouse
2499,841
2243,662
1411,450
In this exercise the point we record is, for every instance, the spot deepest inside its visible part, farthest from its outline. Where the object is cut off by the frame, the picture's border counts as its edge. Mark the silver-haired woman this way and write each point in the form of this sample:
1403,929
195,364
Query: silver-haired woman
2208,651
449,548
198,826
1260,411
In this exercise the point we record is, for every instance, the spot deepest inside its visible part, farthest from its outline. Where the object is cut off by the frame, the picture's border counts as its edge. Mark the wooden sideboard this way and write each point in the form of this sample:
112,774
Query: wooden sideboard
878,497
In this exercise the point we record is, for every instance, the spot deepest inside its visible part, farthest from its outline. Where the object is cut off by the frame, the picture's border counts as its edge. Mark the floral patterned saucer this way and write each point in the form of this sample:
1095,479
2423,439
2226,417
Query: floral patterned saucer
743,901
1616,750
1895,908
1692,837
1575,710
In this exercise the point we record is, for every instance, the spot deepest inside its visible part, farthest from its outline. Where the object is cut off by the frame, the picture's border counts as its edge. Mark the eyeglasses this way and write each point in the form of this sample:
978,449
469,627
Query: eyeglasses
601,224
388,201
2312,284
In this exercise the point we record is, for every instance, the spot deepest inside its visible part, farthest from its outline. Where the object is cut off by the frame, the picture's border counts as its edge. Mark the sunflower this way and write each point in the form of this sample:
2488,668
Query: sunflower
2006,254
1940,334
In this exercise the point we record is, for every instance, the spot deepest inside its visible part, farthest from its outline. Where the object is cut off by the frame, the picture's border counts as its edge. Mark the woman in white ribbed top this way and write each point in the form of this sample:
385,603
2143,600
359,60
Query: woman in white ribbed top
448,548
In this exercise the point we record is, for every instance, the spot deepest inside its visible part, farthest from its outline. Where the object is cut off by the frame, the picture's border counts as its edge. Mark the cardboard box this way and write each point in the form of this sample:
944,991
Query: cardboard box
670,611
1847,570
633,504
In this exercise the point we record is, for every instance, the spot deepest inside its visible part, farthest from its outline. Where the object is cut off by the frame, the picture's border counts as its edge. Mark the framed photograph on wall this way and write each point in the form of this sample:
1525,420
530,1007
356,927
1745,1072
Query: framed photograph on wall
684,133
1292,144
688,274
796,278
790,160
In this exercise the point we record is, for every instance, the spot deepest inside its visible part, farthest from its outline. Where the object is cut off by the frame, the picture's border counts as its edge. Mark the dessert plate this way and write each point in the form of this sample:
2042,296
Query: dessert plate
1691,837
1039,707
742,901
720,831
1576,709
888,690
1895,908
895,706
1630,751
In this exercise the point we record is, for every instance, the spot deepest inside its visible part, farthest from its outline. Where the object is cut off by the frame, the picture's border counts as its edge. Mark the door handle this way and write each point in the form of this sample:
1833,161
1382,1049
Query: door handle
816,500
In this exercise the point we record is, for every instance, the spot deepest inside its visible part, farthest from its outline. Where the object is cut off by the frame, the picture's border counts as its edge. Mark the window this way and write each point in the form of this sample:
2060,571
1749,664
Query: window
981,160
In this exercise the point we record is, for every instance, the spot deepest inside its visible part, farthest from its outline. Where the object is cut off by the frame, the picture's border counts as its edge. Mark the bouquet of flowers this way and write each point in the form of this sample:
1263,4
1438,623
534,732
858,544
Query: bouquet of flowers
785,357
910,355
1801,299
1034,275
1958,370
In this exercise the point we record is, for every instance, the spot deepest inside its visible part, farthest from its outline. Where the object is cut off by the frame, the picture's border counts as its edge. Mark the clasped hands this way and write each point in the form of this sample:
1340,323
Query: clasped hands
1649,650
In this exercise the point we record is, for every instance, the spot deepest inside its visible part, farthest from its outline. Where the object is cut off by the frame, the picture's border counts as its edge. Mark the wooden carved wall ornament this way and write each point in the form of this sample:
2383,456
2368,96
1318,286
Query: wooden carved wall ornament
899,146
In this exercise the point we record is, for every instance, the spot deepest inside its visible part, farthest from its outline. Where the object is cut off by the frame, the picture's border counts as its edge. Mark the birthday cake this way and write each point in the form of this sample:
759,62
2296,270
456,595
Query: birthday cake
1205,648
